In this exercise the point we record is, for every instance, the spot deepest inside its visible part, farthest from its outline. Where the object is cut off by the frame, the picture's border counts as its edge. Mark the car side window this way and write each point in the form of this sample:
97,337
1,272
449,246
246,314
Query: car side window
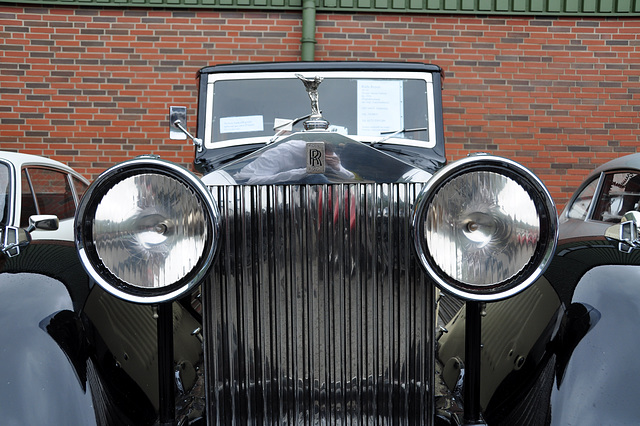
620,194
46,191
5,193
582,202
28,201
80,186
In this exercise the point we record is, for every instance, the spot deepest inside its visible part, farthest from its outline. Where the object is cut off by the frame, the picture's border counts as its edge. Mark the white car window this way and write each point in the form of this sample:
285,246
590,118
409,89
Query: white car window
5,193
46,191
80,186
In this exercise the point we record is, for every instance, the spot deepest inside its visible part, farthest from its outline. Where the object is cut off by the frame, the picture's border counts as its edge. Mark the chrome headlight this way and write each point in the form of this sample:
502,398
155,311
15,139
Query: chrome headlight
485,228
147,230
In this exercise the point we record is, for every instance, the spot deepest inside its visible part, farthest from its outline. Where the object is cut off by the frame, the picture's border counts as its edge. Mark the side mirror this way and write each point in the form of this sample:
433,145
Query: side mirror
177,126
44,222
13,239
625,232
177,115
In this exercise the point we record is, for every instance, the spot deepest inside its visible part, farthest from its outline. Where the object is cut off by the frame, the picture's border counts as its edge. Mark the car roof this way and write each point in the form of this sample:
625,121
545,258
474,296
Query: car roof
631,161
321,66
19,160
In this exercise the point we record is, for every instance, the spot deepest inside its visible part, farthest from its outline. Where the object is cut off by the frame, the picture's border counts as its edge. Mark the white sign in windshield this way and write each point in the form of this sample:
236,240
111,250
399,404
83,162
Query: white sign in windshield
380,107
247,123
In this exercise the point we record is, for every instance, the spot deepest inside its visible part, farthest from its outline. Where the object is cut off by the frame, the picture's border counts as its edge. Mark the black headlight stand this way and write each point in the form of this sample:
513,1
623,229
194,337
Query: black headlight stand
167,400
472,349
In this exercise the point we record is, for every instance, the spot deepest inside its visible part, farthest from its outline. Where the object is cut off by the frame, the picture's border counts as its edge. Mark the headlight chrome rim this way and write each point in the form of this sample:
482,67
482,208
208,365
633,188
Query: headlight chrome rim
84,227
542,201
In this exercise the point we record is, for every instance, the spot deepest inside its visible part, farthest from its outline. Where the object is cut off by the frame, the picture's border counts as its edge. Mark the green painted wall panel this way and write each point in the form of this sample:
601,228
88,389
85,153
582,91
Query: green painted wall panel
451,4
468,5
606,6
572,6
485,5
520,5
502,5
589,6
554,7
623,5
433,5
498,7
537,5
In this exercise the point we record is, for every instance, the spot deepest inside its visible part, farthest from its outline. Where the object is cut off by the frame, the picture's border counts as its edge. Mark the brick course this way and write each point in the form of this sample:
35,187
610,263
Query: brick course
92,87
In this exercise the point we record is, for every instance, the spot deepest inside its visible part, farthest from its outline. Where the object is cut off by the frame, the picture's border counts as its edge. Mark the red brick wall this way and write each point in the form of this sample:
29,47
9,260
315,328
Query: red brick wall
92,87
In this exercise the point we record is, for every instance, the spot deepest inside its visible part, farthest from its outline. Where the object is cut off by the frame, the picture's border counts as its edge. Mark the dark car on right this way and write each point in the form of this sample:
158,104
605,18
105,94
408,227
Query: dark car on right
565,351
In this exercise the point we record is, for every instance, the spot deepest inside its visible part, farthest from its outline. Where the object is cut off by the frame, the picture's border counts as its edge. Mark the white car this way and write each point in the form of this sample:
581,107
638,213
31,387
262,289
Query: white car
33,185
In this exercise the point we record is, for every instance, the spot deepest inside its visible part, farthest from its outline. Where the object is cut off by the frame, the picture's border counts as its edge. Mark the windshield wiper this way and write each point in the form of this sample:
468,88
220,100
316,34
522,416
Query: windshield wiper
287,126
392,133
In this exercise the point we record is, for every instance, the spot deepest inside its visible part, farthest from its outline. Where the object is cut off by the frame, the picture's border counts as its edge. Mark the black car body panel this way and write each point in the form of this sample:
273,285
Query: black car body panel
608,351
569,354
72,354
35,371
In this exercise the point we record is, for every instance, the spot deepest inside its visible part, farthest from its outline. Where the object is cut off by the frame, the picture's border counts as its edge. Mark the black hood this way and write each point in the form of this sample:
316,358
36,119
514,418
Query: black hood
316,157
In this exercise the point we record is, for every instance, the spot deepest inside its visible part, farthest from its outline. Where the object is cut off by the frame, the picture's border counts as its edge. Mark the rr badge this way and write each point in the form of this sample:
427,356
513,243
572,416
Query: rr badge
315,157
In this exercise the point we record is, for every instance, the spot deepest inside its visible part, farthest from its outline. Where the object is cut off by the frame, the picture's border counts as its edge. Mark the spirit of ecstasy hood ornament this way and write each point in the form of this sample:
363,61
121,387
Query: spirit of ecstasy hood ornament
315,121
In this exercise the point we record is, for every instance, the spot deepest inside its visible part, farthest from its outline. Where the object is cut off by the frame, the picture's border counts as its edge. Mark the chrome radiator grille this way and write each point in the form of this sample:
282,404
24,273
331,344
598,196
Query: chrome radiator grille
317,311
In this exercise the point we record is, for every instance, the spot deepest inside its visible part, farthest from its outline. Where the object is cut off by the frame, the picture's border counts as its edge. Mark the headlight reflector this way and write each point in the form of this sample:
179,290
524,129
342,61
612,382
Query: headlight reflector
485,228
147,230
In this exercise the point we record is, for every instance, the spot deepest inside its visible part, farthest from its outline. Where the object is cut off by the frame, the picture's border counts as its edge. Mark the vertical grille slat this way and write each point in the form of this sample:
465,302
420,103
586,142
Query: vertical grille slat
317,311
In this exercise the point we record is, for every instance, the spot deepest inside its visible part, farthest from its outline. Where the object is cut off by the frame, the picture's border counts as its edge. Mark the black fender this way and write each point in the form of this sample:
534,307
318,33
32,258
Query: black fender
599,382
38,382
49,373
564,351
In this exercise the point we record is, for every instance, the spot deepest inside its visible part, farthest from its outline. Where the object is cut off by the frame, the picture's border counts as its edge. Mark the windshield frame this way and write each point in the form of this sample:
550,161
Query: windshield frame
427,77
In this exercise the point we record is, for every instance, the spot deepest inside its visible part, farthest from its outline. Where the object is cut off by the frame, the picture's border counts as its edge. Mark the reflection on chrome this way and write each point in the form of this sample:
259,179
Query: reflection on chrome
484,228
318,311
149,230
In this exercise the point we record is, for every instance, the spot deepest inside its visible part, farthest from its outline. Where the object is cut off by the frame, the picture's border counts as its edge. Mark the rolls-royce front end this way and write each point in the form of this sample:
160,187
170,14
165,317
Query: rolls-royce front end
319,255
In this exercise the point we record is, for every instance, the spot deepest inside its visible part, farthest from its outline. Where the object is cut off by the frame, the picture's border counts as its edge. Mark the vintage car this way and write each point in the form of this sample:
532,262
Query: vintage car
36,186
327,267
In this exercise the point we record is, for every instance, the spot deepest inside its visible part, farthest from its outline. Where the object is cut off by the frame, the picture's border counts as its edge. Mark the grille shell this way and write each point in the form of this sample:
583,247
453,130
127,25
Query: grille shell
317,310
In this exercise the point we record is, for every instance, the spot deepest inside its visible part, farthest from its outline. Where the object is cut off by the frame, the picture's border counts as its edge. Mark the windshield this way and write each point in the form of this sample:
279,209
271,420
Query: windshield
365,108
5,193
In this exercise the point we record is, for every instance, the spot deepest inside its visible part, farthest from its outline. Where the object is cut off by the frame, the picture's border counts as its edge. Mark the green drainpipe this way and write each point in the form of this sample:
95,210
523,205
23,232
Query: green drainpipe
308,41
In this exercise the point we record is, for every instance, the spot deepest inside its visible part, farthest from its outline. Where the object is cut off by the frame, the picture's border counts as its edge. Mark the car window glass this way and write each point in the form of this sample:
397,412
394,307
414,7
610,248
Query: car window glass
365,107
5,193
620,194
52,192
28,201
80,186
581,204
